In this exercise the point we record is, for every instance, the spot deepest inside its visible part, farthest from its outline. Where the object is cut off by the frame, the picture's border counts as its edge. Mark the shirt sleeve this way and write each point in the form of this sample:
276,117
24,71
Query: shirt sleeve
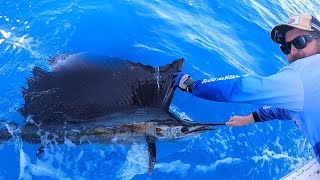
268,114
281,90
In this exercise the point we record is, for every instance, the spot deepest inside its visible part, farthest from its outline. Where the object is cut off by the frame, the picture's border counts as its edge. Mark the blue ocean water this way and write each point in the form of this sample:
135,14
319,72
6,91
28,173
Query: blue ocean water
216,38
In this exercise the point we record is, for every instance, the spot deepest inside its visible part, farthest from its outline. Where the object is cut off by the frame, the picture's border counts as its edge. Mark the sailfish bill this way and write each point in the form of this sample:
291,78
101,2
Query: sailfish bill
98,99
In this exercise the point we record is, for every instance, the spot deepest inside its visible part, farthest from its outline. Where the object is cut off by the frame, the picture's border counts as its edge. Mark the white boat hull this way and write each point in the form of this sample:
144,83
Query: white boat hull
310,171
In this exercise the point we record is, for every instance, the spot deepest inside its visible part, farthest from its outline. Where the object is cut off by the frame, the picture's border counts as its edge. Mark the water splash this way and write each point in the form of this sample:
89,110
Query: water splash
175,110
136,163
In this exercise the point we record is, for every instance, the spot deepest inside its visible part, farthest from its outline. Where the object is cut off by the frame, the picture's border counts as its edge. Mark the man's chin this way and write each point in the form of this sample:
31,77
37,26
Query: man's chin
295,58
291,61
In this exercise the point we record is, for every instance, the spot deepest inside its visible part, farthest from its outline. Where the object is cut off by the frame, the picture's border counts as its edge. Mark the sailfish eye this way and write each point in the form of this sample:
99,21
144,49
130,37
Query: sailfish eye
184,129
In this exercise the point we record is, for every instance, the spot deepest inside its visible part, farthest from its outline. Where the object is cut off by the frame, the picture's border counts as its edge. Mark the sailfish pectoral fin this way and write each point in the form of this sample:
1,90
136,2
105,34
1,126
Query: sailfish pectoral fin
152,152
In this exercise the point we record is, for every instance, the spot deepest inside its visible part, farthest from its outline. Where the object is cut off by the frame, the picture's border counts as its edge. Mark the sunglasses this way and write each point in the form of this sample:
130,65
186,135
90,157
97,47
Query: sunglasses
299,42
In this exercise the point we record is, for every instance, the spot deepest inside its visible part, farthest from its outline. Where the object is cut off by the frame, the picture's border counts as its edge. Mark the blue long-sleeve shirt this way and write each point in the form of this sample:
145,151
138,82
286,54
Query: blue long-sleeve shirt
268,113
296,88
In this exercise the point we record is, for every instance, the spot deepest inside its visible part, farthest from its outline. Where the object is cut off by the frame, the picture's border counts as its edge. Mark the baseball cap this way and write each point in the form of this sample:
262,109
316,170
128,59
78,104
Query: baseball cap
301,21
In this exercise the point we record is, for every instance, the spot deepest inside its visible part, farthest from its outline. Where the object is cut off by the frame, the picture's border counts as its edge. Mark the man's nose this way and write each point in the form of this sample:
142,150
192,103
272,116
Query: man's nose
294,50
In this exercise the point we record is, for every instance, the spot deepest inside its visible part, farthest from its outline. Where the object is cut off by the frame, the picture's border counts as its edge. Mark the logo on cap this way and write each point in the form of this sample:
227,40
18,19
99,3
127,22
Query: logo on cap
294,20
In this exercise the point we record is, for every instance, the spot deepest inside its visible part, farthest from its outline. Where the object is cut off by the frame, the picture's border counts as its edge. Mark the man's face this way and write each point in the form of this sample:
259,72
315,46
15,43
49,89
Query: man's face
312,47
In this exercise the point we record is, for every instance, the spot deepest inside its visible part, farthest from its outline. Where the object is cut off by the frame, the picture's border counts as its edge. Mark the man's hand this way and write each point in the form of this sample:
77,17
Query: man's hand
240,120
182,81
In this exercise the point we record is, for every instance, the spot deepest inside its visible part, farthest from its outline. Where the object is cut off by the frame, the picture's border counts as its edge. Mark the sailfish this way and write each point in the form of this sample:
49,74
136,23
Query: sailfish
98,99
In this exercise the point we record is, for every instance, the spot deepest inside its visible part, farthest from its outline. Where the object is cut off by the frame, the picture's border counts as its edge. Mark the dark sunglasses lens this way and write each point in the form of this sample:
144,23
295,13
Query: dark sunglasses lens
299,43
285,48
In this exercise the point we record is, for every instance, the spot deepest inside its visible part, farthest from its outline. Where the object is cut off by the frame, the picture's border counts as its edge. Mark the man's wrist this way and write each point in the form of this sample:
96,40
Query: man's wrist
256,117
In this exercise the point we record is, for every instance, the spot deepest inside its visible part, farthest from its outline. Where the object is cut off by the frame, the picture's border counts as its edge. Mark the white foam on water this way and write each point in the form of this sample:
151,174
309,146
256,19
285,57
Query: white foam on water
137,162
45,169
24,161
177,167
268,155
45,166
23,157
213,166
18,41
68,141
174,109
22,39
50,164
218,138
5,34
277,143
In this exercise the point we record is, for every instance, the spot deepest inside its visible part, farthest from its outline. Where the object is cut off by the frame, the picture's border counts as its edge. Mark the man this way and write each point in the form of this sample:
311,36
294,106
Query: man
295,88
